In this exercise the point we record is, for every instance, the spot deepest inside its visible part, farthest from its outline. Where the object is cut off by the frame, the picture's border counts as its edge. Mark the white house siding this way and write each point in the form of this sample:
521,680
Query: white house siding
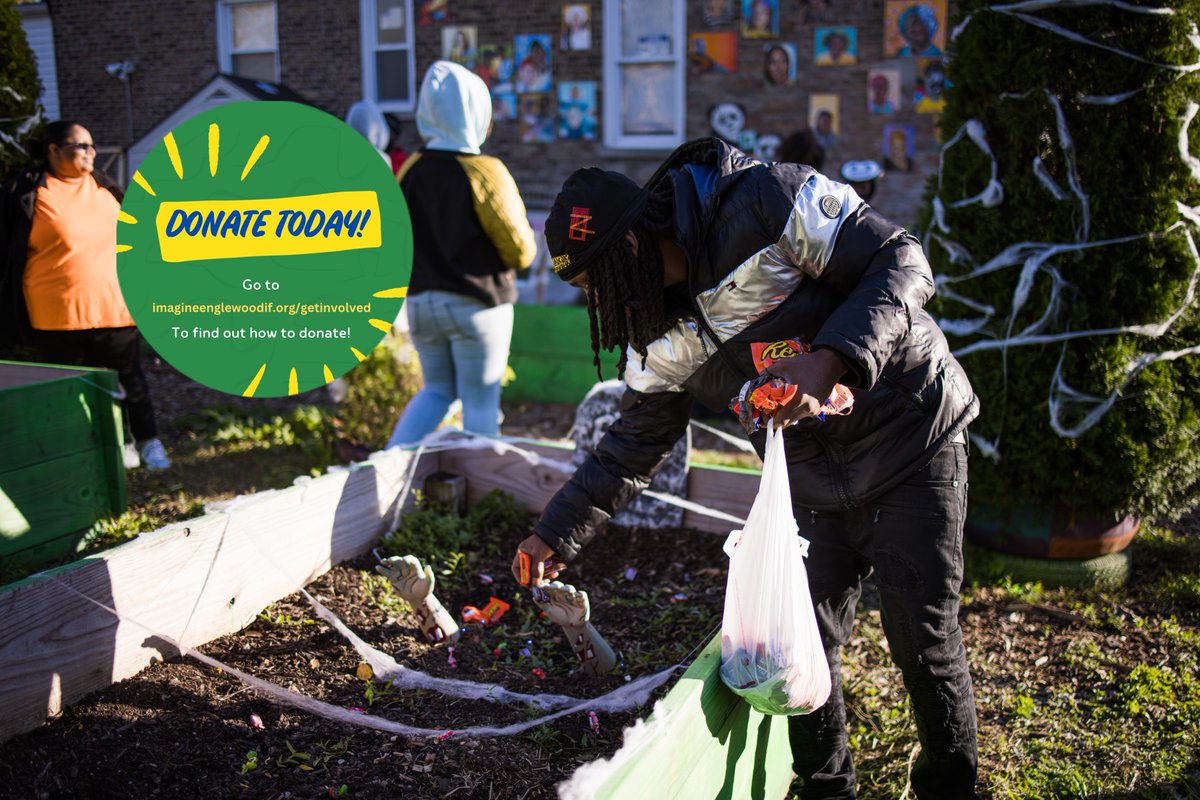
35,18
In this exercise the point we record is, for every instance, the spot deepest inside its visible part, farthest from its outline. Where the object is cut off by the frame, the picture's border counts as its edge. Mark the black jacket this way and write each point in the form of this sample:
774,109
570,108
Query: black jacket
470,231
777,252
18,202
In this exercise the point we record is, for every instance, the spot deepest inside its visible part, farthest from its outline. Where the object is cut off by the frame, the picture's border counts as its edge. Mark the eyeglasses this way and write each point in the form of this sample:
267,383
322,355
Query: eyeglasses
79,147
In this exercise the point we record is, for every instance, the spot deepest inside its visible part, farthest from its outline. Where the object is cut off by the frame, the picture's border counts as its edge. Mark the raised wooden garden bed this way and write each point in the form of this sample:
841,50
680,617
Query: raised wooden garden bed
196,581
61,468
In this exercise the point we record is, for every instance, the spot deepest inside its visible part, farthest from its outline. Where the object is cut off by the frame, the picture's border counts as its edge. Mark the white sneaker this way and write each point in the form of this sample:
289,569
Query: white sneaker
132,459
154,456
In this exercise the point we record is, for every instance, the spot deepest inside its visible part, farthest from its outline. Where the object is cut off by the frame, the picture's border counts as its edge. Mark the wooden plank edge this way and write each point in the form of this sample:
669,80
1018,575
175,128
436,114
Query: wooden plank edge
192,581
727,489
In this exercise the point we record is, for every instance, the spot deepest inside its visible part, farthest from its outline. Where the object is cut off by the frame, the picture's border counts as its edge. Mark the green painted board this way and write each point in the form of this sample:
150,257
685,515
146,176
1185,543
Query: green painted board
715,745
551,355
62,468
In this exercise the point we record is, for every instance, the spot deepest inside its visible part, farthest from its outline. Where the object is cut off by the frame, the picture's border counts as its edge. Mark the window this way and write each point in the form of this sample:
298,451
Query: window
643,73
387,48
248,39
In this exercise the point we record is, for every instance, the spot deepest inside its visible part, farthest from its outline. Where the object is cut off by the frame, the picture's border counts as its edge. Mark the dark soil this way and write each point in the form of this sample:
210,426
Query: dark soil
182,730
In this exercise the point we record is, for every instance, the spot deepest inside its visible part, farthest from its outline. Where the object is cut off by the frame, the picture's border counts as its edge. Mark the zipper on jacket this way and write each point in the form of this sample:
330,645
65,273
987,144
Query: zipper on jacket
705,328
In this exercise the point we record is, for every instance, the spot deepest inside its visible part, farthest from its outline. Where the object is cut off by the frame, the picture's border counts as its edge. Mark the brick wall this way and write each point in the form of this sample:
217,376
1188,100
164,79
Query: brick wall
173,43
320,51
540,168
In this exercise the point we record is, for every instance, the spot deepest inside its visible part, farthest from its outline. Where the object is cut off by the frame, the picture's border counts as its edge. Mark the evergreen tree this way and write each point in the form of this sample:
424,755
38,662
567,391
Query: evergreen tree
1109,170
20,88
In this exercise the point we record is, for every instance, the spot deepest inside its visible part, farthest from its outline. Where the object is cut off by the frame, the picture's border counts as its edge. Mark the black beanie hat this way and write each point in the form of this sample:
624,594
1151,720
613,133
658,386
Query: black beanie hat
593,210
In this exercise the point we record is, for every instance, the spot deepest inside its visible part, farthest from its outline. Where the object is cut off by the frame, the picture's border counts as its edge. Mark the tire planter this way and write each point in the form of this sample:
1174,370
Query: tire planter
1105,572
1061,532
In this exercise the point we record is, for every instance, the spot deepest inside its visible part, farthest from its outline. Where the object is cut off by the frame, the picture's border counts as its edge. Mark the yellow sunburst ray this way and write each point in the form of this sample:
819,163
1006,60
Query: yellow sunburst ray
328,374
142,182
214,148
123,217
358,354
293,384
253,387
386,327
400,291
124,248
173,153
258,151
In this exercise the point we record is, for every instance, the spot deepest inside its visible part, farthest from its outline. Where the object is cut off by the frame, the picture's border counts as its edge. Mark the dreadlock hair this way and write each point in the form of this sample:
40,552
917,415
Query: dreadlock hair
625,291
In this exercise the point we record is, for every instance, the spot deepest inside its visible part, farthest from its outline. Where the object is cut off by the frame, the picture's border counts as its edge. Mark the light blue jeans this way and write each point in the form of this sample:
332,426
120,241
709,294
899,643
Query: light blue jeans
463,347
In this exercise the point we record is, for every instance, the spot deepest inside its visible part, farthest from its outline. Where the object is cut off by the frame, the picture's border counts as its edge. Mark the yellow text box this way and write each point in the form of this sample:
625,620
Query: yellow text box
201,230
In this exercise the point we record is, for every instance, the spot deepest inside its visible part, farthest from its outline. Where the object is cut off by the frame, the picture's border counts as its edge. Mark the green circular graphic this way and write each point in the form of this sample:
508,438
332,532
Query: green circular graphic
264,248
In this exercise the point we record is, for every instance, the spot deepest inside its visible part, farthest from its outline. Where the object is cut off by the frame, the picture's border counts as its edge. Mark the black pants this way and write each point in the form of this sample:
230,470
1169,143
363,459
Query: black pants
912,538
118,349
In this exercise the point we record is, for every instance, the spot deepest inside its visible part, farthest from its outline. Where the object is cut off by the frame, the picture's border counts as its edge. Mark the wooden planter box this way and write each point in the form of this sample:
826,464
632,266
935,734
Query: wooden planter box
1060,532
61,460
204,578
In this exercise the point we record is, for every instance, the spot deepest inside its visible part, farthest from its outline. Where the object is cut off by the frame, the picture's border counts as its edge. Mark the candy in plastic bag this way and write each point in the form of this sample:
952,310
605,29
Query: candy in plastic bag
771,650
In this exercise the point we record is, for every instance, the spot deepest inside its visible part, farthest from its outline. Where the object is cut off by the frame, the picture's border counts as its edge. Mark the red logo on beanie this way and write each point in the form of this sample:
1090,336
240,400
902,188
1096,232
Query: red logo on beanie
579,230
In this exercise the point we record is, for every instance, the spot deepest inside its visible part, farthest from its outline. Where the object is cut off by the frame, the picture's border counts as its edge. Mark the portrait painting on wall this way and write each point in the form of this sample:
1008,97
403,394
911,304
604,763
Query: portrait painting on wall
494,64
431,11
576,28
532,54
898,144
718,13
577,110
458,44
779,64
536,117
835,47
760,19
824,119
928,91
713,53
504,107
883,91
914,29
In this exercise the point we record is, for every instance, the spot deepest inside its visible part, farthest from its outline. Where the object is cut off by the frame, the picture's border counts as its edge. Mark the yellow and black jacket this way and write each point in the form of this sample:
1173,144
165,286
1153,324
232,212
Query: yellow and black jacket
470,232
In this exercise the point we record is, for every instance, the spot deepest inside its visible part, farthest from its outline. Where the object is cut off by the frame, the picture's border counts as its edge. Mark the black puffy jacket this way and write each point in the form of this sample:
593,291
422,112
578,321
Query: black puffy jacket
778,252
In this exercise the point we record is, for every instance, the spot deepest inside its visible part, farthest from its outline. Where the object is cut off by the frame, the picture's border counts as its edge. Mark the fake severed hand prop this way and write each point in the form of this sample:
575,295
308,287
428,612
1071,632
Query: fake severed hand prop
570,609
414,582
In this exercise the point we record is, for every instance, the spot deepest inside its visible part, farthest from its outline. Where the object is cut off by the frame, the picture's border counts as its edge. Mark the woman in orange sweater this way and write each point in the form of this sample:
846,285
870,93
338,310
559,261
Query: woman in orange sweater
61,253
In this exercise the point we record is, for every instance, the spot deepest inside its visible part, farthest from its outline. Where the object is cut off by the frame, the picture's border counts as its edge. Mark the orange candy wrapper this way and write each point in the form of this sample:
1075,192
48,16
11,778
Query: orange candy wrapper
762,397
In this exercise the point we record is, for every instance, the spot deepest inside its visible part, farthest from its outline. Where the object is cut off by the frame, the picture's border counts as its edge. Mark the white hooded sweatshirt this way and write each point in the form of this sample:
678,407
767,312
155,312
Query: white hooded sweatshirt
454,110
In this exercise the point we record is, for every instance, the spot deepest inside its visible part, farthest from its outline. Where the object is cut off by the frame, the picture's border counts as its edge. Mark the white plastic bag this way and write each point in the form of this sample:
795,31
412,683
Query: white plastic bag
771,651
